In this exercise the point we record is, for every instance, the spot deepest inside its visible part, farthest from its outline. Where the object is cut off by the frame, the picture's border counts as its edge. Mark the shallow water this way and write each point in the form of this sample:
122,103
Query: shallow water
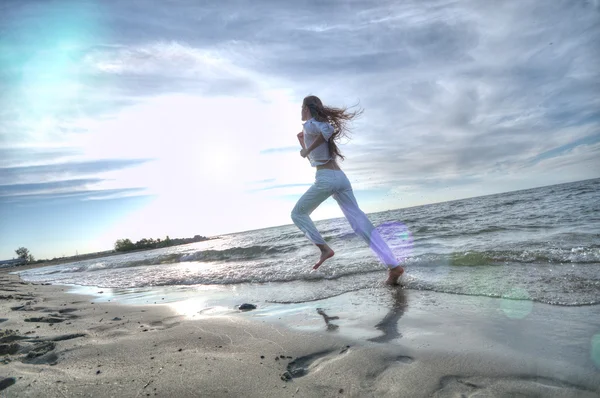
540,245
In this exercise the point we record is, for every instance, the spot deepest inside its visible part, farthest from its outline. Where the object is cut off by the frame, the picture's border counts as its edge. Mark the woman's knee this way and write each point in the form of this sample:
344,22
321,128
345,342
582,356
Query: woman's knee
296,214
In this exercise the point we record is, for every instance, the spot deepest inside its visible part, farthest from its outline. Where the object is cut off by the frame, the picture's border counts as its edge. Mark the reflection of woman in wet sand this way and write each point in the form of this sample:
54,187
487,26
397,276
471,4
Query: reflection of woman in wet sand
322,128
389,323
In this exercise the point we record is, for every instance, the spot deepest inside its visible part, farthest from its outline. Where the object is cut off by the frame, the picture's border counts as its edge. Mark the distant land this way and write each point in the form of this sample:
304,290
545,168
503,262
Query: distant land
121,246
126,245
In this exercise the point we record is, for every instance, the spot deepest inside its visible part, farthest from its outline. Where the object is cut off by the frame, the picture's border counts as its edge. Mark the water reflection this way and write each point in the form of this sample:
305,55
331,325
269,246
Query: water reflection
389,323
328,319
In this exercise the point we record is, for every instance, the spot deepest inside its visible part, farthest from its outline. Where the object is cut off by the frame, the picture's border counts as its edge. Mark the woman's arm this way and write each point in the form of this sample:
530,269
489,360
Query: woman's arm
318,141
300,136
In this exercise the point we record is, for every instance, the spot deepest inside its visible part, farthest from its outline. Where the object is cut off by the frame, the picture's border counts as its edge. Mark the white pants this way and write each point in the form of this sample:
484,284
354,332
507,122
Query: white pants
334,182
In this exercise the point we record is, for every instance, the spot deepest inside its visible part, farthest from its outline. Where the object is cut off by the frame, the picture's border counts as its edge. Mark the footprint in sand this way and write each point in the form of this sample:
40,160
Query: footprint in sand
6,382
302,366
45,319
35,351
40,354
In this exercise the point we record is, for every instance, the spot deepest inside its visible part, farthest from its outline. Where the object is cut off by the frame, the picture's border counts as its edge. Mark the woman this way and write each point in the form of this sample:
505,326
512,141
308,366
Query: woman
323,127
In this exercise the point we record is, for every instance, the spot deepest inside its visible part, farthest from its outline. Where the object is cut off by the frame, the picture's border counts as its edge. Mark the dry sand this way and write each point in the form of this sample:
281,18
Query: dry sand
58,344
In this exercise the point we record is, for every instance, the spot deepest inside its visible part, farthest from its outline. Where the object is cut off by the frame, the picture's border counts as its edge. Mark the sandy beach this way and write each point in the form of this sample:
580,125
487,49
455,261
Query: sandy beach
60,344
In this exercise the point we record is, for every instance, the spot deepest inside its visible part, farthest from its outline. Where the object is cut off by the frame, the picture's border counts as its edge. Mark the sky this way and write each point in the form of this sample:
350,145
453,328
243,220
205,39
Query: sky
133,119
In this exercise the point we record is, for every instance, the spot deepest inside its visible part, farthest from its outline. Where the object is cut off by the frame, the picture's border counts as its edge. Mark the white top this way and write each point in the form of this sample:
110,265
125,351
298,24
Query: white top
312,129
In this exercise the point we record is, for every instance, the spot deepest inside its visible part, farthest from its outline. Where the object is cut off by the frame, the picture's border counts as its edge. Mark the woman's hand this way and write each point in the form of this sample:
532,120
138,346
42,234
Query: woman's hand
300,136
304,152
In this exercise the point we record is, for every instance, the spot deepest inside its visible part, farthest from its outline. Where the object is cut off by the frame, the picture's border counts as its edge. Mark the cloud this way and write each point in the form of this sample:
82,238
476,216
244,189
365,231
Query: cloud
454,92
169,68
286,149
67,197
280,186
17,156
57,172
46,187
558,151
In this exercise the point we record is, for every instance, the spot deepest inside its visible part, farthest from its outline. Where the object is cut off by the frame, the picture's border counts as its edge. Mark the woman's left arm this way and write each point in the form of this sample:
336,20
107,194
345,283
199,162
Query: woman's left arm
300,136
318,141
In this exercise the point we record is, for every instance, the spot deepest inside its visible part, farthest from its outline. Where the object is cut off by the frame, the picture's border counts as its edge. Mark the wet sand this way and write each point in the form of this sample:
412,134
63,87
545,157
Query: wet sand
399,343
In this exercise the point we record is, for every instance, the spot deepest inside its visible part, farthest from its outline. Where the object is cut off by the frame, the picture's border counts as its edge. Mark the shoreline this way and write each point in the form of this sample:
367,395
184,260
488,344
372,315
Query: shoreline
388,343
92,256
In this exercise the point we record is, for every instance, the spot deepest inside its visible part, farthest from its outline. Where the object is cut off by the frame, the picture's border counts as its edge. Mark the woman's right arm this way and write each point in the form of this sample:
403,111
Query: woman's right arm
300,136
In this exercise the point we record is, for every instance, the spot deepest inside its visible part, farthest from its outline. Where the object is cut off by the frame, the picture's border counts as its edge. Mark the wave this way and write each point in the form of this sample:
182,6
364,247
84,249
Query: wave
554,284
115,262
263,278
578,255
513,202
259,254
238,253
559,290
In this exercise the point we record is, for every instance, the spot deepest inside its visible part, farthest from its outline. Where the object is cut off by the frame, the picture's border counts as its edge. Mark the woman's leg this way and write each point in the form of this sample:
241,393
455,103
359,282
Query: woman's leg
301,217
363,227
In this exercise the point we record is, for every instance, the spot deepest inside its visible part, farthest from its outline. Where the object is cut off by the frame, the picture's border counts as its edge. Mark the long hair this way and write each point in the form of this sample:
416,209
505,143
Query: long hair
337,117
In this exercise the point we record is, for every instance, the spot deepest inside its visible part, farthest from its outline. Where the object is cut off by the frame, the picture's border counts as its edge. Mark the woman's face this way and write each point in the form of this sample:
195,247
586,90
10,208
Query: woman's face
305,113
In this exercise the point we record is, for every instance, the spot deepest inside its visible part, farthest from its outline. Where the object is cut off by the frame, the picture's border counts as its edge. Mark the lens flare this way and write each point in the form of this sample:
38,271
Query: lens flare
46,51
516,304
397,237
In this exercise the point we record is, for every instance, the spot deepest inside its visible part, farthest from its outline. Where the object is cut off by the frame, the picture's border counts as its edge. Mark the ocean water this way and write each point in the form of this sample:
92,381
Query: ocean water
540,244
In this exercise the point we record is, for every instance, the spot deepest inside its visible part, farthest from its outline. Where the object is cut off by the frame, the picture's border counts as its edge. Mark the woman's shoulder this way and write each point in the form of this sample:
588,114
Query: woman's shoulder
321,123
312,123
323,126
316,126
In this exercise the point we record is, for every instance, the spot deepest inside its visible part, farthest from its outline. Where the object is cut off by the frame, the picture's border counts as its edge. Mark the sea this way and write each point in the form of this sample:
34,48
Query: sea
538,245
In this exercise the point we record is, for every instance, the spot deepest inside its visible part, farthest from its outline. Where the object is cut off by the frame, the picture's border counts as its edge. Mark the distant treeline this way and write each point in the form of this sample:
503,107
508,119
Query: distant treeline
124,245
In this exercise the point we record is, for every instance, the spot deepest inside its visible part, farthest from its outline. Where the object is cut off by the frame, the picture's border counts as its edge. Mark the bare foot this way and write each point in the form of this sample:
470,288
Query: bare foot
326,253
394,274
